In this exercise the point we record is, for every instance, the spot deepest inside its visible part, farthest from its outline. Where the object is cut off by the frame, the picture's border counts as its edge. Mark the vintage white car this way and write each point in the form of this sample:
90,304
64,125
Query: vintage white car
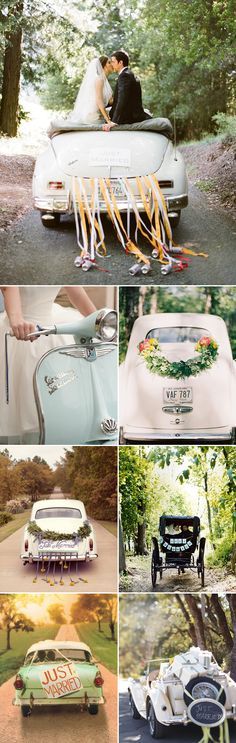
178,381
58,673
55,533
190,688
126,151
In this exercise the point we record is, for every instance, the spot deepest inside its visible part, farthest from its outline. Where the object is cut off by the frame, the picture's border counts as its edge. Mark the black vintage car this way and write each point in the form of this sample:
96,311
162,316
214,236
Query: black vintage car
178,541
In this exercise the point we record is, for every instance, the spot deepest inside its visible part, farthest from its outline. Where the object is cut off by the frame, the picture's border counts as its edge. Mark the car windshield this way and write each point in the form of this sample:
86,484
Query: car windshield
178,334
58,513
52,655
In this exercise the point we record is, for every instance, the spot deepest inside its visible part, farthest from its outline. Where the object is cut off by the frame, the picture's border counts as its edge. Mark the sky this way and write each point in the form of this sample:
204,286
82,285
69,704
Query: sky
51,454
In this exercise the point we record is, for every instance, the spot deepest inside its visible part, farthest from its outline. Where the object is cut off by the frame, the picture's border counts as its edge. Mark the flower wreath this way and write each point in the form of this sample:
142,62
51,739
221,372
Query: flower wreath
149,350
83,532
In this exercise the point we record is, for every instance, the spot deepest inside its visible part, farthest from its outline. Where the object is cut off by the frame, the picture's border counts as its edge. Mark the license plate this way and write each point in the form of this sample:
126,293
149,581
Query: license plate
116,188
177,394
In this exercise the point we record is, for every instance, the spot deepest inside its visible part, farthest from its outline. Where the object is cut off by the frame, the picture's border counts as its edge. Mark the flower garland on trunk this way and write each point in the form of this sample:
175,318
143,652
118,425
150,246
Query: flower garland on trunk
157,363
55,536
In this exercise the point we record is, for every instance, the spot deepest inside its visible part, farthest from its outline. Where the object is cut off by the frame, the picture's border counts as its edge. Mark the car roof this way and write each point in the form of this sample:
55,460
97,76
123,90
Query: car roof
58,502
58,645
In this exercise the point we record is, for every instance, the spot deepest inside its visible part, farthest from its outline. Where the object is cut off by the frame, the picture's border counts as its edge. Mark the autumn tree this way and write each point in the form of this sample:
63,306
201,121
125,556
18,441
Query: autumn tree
56,613
12,619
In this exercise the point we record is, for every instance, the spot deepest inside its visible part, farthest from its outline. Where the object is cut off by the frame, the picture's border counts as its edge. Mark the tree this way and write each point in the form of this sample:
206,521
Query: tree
12,619
11,74
91,475
56,613
96,607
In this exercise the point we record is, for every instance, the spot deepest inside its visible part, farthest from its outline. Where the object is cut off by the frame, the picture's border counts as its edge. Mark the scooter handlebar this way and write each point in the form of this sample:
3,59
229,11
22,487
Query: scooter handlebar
101,323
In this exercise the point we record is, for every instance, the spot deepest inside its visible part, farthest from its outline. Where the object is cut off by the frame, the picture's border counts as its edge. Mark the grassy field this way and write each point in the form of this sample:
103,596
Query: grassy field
19,519
11,660
103,648
110,526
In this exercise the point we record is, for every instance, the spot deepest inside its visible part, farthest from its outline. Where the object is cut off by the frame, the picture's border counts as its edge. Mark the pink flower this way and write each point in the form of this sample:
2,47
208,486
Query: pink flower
144,345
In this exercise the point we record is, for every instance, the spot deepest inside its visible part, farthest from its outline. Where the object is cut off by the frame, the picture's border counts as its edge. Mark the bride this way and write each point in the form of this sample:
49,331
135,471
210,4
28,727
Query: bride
95,93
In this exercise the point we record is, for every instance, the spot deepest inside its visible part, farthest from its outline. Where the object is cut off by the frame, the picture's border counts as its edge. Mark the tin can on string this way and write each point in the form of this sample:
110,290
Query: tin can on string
155,253
173,249
135,269
146,268
166,269
78,261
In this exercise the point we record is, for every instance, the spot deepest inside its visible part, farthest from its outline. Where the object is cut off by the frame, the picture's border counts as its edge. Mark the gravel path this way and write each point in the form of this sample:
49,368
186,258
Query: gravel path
217,580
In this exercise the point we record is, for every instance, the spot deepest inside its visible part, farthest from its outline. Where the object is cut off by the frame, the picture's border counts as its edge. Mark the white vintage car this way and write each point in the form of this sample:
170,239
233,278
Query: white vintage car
190,688
57,672
178,381
126,151
53,533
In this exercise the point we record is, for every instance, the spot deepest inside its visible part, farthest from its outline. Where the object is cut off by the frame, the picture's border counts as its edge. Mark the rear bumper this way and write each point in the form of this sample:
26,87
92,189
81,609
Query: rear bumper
57,557
44,702
214,434
52,205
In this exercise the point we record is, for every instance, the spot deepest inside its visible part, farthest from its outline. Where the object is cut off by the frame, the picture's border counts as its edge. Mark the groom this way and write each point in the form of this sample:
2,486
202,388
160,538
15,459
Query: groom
127,105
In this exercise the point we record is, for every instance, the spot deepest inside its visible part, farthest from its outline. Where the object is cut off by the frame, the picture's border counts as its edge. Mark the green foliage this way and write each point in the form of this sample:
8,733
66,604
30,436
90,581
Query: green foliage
102,648
33,528
5,517
223,553
225,124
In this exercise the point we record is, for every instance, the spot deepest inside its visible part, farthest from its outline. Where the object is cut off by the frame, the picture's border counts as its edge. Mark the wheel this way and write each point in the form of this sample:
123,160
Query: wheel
25,710
174,221
153,570
93,709
233,439
200,561
216,690
203,575
50,220
156,728
122,439
133,709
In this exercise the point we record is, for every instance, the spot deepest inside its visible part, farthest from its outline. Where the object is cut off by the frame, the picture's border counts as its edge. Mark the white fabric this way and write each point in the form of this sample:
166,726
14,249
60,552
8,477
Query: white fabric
19,417
86,110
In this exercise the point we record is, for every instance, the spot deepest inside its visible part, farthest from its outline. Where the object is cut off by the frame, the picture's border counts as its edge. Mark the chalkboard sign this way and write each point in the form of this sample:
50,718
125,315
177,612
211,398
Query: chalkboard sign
206,713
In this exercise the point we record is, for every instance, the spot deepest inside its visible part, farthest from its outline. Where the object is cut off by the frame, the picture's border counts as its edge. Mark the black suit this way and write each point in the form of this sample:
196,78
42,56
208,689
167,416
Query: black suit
127,106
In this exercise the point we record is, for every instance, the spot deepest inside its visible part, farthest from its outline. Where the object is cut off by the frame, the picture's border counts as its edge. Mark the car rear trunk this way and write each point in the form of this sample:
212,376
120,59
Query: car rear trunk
114,154
69,545
166,404
45,681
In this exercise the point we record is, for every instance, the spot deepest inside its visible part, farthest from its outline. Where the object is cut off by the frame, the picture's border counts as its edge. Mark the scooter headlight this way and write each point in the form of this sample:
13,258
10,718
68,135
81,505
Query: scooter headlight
106,325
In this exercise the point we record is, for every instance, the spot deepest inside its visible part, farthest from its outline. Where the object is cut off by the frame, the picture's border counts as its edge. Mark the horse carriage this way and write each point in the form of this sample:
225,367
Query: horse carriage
178,541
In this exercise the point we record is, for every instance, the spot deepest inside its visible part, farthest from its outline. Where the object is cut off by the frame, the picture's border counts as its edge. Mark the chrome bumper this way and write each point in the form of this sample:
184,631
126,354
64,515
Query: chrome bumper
64,205
56,557
198,435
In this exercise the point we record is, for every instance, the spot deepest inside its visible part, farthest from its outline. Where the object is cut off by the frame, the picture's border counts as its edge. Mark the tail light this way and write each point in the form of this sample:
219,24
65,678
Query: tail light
19,683
98,681
91,544
56,185
26,545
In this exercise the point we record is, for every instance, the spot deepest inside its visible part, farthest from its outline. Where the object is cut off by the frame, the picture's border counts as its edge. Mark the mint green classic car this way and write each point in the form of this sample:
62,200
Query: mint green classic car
56,673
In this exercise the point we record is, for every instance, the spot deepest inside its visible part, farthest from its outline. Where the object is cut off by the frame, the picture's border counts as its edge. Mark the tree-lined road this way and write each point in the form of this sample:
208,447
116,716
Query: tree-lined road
60,724
100,574
32,254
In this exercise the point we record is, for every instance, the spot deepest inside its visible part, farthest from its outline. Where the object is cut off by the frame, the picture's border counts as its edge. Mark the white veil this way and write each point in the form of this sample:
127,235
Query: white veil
85,108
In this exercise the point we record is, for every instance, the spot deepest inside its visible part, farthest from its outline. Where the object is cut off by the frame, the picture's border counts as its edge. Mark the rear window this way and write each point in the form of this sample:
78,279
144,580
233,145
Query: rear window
58,513
52,655
178,334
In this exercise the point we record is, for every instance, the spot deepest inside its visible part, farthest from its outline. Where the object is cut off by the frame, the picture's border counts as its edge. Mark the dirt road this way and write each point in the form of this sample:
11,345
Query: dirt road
100,574
64,724
133,731
217,580
32,254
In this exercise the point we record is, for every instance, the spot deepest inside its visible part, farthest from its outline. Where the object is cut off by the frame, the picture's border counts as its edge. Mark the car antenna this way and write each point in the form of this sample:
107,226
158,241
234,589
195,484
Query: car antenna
175,136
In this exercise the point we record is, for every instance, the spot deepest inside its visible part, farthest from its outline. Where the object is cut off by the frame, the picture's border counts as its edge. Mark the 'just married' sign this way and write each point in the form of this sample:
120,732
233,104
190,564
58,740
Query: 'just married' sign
58,681
206,713
110,156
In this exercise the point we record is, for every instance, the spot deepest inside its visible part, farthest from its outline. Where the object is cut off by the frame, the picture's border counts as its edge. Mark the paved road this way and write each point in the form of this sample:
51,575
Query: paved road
32,254
101,574
60,724
133,731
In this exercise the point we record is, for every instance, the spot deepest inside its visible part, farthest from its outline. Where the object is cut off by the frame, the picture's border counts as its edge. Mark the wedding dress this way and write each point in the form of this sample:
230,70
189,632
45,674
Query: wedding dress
86,110
18,418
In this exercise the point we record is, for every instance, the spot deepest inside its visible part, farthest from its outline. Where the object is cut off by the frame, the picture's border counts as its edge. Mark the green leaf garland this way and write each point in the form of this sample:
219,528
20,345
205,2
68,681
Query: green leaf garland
54,536
157,363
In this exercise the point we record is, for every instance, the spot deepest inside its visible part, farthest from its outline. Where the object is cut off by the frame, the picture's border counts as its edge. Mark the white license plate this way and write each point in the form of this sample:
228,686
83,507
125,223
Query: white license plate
177,394
116,188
